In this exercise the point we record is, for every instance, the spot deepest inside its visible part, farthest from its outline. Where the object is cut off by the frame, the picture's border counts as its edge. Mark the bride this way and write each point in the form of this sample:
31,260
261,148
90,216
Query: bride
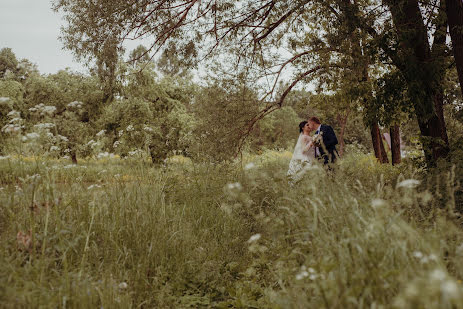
303,155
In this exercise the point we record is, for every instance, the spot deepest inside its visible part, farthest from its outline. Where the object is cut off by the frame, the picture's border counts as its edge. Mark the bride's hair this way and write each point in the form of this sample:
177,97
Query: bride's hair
301,126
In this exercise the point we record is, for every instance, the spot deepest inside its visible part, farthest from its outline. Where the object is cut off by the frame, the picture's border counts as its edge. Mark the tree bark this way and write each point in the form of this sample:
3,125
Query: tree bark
378,146
419,69
74,157
395,144
455,20
384,158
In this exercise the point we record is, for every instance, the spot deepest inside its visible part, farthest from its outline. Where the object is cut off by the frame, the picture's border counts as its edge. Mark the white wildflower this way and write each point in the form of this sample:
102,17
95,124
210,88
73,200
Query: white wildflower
4,99
312,271
32,136
438,275
301,275
234,186
13,114
408,183
313,277
254,238
130,128
11,128
432,257
92,144
48,110
101,133
135,152
418,254
378,203
123,285
116,144
44,126
63,138
450,288
148,129
120,133
95,186
75,104
249,166
4,158
54,148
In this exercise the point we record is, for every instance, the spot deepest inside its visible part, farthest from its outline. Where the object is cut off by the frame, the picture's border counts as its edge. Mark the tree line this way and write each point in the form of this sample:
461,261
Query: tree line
392,60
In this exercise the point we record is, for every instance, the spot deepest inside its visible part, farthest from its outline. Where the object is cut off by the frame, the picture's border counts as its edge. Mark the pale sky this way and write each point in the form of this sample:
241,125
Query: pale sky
31,29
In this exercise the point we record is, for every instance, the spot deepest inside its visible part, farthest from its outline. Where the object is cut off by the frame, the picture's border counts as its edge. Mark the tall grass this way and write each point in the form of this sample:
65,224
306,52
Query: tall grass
117,234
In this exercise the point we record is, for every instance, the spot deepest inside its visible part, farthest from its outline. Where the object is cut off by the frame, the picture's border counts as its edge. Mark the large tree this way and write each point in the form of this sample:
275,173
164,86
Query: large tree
264,40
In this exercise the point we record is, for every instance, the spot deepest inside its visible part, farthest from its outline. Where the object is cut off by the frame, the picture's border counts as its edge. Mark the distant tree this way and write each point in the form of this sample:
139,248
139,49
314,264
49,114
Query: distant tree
8,62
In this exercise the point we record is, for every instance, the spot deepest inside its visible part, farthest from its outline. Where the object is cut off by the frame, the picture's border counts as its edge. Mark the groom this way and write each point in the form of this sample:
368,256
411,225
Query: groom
326,150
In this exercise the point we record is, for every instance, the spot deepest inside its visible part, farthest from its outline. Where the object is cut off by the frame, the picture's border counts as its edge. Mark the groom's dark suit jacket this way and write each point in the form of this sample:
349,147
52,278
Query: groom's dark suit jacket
330,141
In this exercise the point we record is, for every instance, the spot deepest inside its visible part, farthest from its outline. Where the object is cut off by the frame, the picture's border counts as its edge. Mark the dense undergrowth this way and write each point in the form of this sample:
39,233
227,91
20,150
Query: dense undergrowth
121,234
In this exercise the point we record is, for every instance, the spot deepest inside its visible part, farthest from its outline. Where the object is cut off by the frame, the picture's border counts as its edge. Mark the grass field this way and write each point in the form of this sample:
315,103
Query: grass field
117,233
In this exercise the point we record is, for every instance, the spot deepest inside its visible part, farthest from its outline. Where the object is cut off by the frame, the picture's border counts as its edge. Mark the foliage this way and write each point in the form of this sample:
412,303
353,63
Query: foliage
117,234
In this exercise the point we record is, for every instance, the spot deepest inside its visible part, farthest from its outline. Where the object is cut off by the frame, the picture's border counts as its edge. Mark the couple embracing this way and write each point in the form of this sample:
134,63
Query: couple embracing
321,146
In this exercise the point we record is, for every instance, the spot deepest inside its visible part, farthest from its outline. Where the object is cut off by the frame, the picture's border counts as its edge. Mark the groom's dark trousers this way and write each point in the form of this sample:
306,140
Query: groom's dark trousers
327,151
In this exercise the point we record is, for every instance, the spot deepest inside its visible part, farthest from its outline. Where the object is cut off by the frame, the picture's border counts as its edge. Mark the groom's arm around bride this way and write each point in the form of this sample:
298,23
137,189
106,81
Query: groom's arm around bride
327,151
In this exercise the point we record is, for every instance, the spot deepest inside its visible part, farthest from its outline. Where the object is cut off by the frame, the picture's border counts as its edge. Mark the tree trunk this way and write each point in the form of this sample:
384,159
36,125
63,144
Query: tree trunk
419,69
74,157
384,158
342,120
395,144
378,146
455,21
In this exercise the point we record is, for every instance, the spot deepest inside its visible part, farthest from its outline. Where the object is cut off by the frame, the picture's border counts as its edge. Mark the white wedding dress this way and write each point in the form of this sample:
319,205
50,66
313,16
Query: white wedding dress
302,159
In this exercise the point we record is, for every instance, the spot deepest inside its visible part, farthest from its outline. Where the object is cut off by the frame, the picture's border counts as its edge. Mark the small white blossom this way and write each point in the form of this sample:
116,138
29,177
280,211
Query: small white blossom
13,114
116,144
254,238
4,99
11,128
130,128
54,148
438,275
123,285
249,166
32,136
450,288
120,133
93,187
148,129
234,186
75,104
418,254
92,143
135,152
101,133
4,158
408,183
63,138
378,203
303,274
44,126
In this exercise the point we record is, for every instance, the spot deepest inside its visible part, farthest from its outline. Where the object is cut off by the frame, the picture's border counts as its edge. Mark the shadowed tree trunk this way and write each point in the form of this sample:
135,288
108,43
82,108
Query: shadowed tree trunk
419,68
378,146
455,21
74,157
395,144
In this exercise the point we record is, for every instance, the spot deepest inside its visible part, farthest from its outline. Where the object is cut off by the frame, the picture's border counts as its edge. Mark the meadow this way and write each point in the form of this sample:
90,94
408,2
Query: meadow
114,233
